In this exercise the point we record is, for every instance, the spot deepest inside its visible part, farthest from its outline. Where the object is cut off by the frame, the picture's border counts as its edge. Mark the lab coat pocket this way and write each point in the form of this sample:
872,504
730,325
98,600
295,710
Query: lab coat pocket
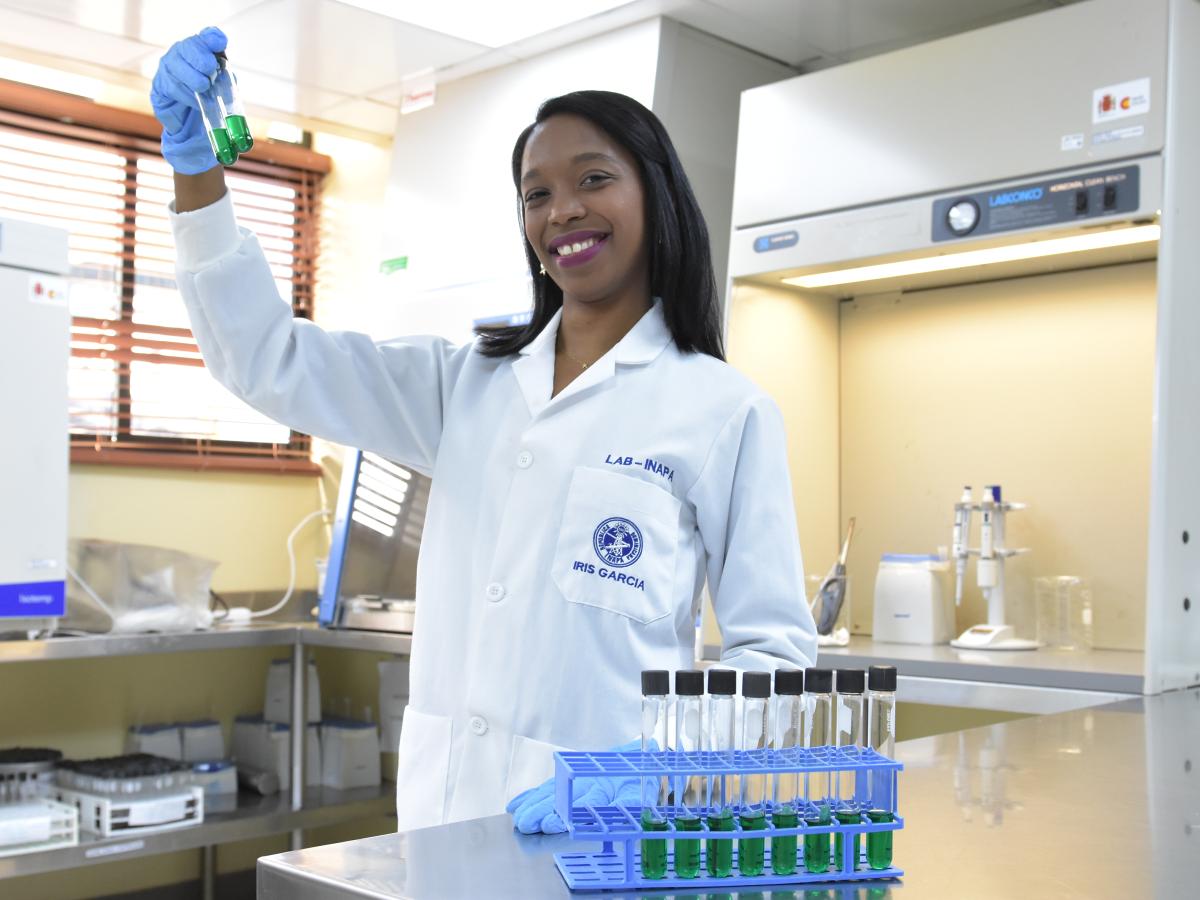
617,545
422,770
531,764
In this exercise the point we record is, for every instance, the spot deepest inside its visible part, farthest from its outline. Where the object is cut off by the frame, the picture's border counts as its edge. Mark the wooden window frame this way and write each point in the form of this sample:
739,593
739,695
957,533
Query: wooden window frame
50,114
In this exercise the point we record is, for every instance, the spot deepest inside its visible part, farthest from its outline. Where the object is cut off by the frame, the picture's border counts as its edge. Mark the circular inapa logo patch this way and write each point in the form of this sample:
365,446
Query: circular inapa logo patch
618,542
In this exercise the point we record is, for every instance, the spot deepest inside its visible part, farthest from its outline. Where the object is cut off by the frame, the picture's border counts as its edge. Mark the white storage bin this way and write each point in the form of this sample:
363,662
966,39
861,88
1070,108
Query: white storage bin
202,740
349,754
279,754
278,707
913,604
35,825
107,816
250,741
393,697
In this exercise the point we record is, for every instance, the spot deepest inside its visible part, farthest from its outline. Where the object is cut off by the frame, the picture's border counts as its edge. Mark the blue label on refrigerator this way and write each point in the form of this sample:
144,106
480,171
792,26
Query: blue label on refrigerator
34,600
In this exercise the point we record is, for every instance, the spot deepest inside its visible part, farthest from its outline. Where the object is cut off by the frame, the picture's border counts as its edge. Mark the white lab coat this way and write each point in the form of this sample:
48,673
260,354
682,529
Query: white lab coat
566,540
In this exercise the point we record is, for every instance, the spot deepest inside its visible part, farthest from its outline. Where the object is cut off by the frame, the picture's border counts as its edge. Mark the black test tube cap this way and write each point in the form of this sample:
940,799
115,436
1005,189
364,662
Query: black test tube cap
656,682
789,681
818,681
882,678
851,681
722,681
756,684
689,683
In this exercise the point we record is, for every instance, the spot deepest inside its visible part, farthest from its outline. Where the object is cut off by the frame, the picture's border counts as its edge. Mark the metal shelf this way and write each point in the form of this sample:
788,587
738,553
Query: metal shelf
343,639
264,634
255,816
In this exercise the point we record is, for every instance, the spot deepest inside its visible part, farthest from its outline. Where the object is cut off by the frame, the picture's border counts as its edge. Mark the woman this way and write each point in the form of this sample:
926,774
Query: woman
590,470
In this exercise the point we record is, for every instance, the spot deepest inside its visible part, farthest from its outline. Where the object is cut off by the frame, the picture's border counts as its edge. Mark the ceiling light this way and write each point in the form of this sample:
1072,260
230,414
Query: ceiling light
54,79
1098,240
485,21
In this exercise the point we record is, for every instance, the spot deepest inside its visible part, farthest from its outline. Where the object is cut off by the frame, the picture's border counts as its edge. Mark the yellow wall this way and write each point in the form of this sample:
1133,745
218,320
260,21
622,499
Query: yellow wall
1043,385
239,520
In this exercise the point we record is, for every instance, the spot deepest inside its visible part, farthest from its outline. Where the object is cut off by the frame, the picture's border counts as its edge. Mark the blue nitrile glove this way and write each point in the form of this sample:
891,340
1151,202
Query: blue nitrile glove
533,810
187,68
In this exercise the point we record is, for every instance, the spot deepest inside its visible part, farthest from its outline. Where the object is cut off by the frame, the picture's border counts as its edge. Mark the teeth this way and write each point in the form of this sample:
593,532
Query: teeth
568,249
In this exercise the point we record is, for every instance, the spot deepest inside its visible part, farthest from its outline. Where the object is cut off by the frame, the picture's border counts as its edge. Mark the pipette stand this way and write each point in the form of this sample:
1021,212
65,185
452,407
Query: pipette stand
617,865
996,634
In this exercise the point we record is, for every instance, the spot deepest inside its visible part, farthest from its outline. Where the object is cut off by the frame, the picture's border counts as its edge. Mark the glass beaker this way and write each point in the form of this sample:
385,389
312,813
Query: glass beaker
1064,612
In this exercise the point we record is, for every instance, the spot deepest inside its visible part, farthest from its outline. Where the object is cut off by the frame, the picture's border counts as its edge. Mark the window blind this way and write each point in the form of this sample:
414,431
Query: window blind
139,391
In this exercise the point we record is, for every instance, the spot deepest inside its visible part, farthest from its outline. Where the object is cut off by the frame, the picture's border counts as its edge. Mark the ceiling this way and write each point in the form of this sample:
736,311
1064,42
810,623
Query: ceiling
325,63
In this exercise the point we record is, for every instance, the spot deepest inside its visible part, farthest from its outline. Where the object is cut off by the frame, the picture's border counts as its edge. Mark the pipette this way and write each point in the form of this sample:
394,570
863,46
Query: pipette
962,529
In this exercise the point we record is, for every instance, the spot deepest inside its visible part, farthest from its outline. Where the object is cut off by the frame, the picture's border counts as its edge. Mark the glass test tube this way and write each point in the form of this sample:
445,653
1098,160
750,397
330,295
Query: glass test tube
719,738
756,725
235,113
881,736
656,683
881,729
689,789
788,725
818,732
848,730
213,116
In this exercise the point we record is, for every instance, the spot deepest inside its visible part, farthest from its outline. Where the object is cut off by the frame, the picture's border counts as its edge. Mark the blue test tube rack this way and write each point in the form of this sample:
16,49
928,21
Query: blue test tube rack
617,865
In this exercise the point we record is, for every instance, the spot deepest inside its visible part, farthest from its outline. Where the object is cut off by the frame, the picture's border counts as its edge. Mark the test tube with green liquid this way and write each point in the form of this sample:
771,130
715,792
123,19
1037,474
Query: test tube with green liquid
719,738
656,684
226,90
756,695
689,789
818,732
879,843
786,797
847,817
213,116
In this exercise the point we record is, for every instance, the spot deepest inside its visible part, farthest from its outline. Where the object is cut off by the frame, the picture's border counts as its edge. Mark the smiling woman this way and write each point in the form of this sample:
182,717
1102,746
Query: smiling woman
590,470
610,222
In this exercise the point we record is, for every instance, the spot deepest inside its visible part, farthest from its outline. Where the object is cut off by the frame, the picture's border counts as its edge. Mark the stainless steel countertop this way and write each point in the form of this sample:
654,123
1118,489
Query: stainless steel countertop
1101,802
1116,671
262,633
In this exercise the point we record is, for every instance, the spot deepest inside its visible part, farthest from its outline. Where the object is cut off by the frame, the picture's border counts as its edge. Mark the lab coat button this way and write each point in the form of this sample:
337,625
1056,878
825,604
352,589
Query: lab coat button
495,592
479,725
524,459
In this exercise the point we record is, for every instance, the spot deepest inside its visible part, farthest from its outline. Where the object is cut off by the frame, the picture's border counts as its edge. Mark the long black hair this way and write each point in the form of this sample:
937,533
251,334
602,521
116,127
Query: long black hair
681,270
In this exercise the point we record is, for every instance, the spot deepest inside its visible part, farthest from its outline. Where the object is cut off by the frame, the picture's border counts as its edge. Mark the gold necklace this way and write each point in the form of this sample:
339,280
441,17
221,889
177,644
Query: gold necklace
582,365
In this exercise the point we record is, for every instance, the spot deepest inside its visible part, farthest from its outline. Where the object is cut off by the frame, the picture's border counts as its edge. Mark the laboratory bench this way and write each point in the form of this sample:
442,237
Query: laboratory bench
1037,682
251,815
1096,802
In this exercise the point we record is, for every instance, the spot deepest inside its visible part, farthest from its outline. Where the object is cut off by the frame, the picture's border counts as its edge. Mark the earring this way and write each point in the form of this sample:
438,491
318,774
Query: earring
542,269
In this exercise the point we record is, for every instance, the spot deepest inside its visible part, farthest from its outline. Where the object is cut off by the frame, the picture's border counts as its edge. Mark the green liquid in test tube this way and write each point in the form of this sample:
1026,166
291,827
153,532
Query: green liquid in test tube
847,817
879,843
239,133
226,89
719,729
222,146
719,854
654,853
788,724
687,853
688,789
816,846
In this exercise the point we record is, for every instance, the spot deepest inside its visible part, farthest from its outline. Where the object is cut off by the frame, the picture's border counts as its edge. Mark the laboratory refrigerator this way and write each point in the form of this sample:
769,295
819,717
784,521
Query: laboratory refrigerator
34,453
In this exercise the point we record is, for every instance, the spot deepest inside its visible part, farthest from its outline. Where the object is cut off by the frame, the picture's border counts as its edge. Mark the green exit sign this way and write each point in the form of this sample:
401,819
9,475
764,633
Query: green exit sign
395,264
